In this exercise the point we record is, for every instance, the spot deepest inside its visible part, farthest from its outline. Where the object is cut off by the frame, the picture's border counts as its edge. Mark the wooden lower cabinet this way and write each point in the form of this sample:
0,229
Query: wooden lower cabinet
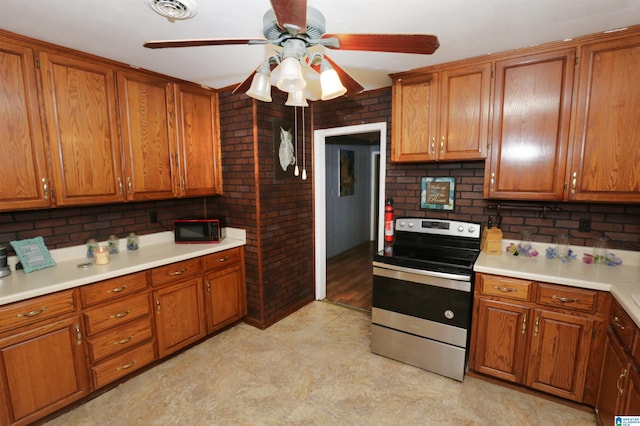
42,370
528,343
179,316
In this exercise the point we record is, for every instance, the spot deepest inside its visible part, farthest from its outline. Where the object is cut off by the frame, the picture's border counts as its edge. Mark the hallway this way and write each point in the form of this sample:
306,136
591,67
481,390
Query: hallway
349,276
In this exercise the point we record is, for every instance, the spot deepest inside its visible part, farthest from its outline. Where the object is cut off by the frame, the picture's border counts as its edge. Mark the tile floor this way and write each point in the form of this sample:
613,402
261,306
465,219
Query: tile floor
312,368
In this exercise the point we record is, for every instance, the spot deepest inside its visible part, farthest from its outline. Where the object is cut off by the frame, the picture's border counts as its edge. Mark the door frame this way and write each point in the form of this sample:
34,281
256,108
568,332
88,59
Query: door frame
320,189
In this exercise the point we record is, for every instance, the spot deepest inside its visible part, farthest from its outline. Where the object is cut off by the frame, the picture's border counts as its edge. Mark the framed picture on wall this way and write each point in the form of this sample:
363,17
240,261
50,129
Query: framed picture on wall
438,193
347,172
284,157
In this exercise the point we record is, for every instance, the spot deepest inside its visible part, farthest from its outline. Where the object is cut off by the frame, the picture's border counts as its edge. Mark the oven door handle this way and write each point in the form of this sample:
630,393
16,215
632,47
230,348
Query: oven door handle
438,279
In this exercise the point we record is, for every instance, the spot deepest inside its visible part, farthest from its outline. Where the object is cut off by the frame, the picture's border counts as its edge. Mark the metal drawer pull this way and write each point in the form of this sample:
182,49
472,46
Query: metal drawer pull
180,272
564,299
618,323
121,314
622,376
505,289
524,324
118,289
535,329
126,366
32,313
224,259
123,341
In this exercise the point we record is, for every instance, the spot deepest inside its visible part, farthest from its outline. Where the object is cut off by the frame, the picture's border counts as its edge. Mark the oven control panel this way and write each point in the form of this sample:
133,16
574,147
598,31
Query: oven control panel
438,226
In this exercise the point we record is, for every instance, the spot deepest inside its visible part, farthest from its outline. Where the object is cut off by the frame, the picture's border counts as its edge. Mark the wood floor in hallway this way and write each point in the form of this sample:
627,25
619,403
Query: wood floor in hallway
350,276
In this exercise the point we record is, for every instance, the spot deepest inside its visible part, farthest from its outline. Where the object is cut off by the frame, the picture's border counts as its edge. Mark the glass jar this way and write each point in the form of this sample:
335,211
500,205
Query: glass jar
92,246
132,241
101,255
114,244
600,250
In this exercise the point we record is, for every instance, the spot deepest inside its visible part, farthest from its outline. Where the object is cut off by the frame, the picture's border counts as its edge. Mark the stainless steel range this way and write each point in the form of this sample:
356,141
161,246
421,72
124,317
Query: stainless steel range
423,294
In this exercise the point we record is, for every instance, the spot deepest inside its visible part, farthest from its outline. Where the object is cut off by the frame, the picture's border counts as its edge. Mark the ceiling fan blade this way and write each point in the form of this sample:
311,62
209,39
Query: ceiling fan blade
400,43
161,44
352,86
291,15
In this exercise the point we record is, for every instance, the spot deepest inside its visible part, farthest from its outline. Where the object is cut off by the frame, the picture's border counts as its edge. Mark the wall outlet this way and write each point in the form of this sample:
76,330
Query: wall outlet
584,225
153,217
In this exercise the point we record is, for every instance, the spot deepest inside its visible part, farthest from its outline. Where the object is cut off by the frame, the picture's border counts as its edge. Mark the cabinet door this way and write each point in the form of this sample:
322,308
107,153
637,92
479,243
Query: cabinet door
198,142
530,127
464,113
501,339
606,142
42,370
414,118
559,353
80,111
179,315
615,369
148,135
225,297
24,173
632,394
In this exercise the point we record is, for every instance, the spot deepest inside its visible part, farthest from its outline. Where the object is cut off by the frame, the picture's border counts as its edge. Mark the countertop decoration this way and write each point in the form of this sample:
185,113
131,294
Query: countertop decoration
552,253
33,254
610,259
526,250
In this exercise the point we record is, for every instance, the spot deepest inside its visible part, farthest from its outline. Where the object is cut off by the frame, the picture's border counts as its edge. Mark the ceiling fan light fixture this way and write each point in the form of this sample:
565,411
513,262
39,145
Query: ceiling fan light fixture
296,99
330,83
291,79
174,9
261,84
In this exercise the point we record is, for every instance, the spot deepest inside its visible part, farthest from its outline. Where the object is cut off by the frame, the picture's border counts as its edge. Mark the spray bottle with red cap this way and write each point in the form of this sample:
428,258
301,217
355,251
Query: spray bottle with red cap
388,221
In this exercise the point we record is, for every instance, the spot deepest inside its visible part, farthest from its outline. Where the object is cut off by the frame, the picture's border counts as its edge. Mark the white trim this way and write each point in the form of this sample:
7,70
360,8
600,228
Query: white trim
319,182
374,154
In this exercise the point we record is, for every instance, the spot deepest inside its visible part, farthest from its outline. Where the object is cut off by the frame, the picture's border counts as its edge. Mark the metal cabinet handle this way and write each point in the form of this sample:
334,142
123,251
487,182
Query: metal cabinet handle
180,272
505,289
492,182
129,185
442,145
535,327
78,334
622,376
618,323
127,366
224,259
564,299
574,182
433,145
524,324
32,313
120,185
158,306
118,289
123,341
121,314
208,284
45,188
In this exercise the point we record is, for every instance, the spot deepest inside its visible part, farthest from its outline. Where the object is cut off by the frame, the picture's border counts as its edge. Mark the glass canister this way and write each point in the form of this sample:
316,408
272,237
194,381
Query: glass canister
114,244
92,246
600,250
101,255
132,241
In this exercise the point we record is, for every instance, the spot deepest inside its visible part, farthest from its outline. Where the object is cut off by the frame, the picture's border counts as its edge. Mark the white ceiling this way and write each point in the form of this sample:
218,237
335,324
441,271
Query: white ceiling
116,29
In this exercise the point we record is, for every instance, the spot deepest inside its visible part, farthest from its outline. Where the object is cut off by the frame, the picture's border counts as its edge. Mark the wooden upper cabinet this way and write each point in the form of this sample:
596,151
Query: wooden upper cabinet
530,127
147,118
23,162
442,115
414,118
80,112
200,169
464,113
606,142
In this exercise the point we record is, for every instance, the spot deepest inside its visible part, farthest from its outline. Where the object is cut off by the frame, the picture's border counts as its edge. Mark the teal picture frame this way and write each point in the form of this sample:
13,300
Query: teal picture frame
438,193
33,254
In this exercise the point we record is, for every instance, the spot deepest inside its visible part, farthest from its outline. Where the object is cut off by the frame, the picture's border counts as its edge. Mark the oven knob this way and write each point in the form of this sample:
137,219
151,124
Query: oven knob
448,314
410,224
471,229
460,228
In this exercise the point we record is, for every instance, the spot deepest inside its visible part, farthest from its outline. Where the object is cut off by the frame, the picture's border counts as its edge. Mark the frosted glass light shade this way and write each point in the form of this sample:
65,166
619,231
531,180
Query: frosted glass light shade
297,99
291,76
260,87
331,85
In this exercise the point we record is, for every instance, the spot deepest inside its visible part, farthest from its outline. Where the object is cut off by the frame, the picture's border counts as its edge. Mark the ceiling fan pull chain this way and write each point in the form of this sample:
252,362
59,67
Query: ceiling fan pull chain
296,171
304,162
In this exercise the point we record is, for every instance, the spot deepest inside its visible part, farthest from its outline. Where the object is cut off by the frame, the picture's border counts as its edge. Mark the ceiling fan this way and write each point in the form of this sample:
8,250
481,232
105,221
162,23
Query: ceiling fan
294,27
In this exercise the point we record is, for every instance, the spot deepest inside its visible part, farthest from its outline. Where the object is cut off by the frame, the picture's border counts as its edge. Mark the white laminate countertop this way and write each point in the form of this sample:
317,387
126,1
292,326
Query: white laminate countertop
622,281
154,250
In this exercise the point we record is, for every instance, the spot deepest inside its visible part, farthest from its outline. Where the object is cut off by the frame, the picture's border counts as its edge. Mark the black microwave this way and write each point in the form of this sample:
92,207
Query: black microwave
197,231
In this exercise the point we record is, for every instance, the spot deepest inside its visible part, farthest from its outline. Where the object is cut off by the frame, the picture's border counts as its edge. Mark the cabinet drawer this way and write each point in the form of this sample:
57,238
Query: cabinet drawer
505,287
623,326
37,309
175,271
113,314
222,259
113,369
577,299
119,339
111,289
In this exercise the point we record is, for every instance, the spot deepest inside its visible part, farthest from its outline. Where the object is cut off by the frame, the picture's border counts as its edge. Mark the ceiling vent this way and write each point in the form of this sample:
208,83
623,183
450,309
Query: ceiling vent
174,9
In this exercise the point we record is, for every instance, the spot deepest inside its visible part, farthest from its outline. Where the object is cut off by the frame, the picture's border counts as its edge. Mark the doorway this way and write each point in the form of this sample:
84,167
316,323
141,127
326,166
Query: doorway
320,186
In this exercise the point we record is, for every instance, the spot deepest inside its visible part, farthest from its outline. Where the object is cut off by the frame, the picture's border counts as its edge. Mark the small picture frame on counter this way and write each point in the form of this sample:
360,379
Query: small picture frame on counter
33,254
